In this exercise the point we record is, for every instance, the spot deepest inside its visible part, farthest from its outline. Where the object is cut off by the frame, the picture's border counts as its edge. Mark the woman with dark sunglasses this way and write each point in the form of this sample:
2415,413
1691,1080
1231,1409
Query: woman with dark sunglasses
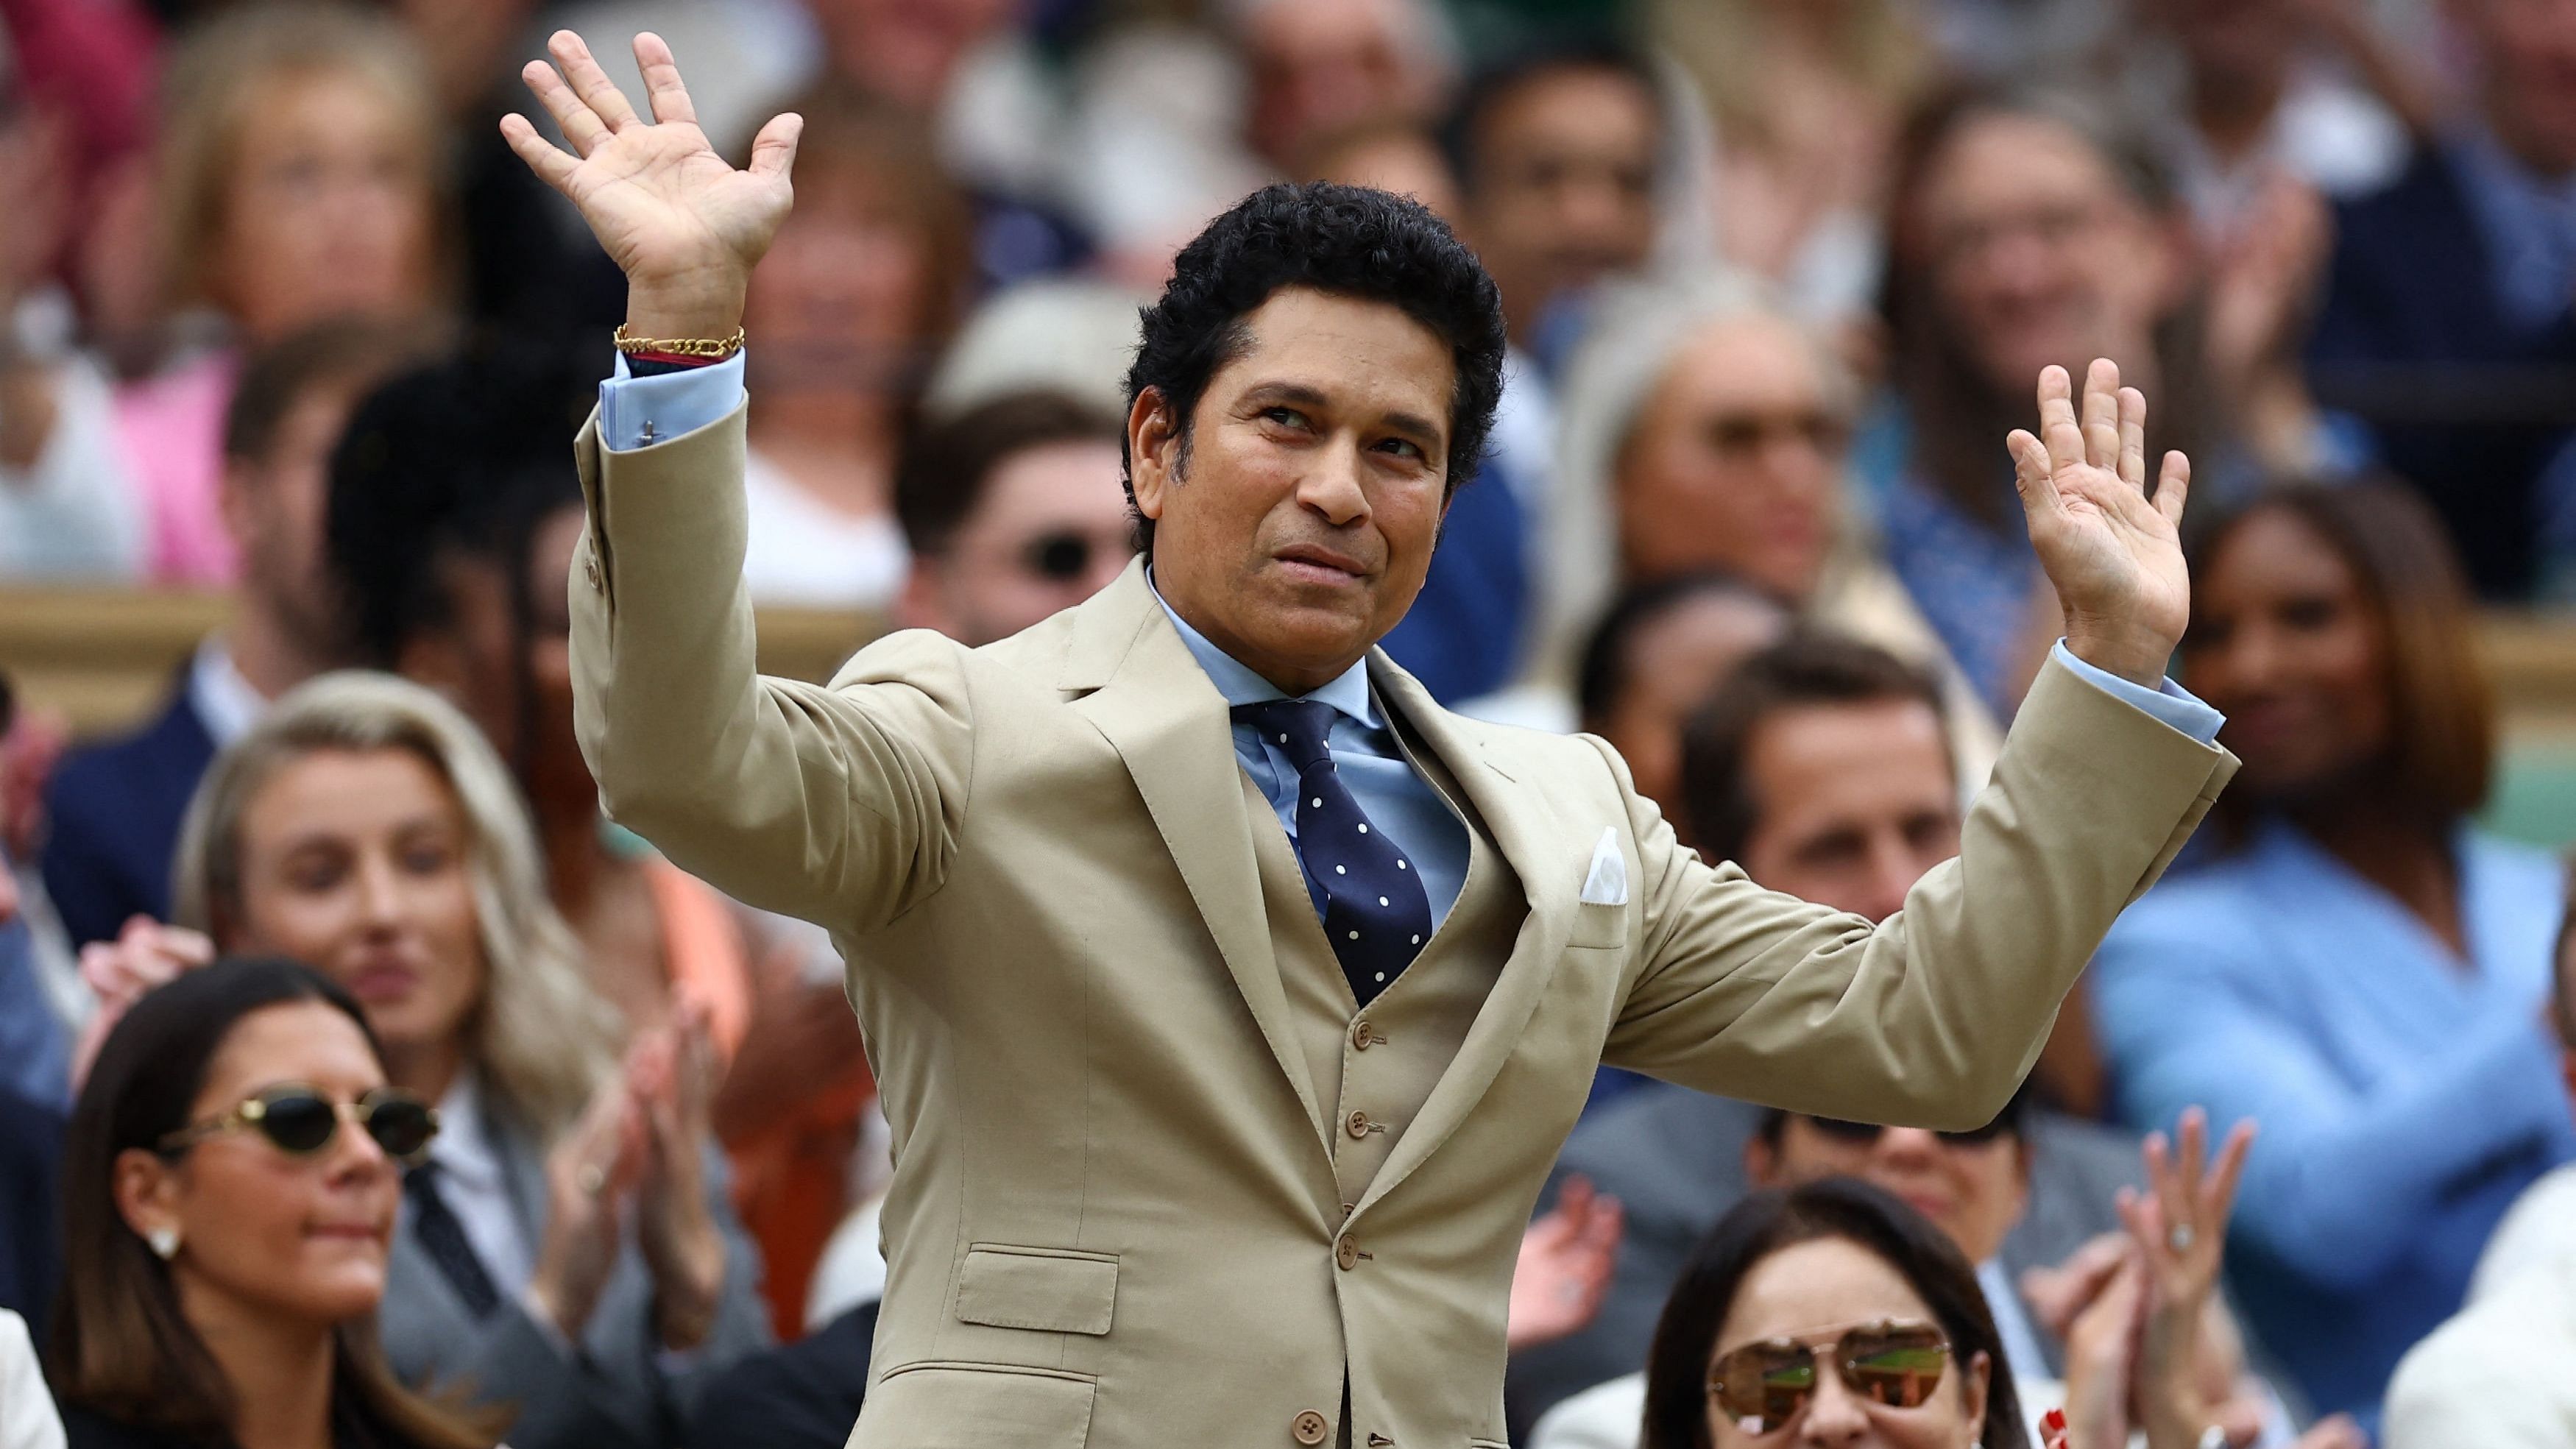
1828,1314
230,1185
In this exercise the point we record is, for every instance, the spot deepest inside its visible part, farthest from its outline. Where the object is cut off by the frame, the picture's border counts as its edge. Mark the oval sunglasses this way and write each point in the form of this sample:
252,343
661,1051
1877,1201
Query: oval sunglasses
300,1121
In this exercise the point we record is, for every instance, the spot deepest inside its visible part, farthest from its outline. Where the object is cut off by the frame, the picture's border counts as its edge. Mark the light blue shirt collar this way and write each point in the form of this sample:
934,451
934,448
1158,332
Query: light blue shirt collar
1347,692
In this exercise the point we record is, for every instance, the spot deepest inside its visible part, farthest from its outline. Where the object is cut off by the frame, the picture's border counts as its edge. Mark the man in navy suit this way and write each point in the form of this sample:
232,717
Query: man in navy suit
2448,325
113,810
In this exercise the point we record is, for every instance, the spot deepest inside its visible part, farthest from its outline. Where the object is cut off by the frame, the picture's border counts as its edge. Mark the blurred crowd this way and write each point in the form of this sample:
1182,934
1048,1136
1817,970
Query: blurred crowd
361,1085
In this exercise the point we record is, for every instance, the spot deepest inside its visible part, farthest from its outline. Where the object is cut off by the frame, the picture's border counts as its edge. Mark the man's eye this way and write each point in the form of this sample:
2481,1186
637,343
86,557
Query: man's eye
1402,447
1285,417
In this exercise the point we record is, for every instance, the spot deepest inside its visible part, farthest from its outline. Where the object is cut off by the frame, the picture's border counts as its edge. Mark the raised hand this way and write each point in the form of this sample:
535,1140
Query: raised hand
2113,553
678,219
2189,1362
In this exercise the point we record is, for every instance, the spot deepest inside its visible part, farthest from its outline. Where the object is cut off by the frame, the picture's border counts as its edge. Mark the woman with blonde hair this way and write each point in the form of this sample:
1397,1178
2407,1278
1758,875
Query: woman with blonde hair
299,178
365,828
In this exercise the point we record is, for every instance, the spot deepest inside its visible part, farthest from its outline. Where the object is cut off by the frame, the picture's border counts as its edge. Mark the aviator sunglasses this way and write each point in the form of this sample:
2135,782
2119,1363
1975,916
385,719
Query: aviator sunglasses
1870,1132
1762,1386
300,1121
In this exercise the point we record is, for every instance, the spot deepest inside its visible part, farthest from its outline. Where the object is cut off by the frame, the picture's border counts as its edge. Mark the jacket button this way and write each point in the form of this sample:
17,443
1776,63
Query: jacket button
1357,1124
1309,1427
1363,1036
590,571
1347,1253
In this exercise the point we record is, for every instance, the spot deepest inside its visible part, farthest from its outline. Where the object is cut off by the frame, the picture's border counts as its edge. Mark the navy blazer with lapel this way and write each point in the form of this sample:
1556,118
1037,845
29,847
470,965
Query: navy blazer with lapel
113,812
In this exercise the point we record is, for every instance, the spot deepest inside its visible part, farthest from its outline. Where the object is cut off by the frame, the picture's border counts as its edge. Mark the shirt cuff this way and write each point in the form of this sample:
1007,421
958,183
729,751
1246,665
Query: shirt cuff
638,412
2169,704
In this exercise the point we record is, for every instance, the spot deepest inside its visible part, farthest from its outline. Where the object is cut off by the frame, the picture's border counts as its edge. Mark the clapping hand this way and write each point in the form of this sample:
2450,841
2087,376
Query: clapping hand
2113,553
1564,1268
671,1078
2179,1229
681,222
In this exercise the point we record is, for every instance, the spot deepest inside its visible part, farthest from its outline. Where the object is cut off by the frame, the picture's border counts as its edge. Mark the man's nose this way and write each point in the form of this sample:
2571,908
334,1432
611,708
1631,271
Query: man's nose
1332,488
1907,1144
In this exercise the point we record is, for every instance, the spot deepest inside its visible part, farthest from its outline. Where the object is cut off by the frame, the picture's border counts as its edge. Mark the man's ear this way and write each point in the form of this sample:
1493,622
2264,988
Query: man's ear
1153,450
1761,1162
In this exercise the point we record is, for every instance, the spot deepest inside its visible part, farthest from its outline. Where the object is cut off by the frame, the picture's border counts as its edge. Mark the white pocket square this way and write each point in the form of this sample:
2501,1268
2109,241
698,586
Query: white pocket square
1606,884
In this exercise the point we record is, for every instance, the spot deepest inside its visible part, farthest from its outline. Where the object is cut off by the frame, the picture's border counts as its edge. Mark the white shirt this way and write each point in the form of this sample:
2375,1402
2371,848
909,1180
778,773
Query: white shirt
2496,1376
2539,1231
27,1417
803,552
474,1182
224,700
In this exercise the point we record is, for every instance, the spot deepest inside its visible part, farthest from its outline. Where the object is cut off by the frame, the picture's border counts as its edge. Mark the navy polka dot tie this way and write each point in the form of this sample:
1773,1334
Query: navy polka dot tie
1376,913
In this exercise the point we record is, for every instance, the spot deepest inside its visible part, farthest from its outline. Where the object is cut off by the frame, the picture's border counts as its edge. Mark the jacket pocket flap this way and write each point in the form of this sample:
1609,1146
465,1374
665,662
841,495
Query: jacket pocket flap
1055,1290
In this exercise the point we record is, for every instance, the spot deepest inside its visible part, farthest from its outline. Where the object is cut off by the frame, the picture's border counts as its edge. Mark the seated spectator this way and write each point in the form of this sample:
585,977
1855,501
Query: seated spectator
113,808
66,508
455,512
300,179
1655,657
2350,963
1805,102
856,296
1820,768
1554,154
1833,1314
2146,1344
2250,95
232,1184
2459,366
2035,228
1706,429
567,1249
2496,1375
1013,512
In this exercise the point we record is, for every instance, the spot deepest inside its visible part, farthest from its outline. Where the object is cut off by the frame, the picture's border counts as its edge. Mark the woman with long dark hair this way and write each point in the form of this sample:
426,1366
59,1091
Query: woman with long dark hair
230,1188
2352,963
1829,1314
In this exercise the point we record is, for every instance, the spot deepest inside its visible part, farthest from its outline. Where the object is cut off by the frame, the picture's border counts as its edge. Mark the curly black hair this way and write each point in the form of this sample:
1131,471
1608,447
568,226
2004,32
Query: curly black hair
1349,241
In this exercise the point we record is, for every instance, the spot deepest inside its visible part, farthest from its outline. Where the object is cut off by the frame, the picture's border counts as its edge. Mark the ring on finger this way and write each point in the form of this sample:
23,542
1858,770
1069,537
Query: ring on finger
2181,1237
592,1178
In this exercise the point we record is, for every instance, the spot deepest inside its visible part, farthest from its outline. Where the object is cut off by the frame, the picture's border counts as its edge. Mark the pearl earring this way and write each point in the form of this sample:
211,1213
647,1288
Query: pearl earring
165,1243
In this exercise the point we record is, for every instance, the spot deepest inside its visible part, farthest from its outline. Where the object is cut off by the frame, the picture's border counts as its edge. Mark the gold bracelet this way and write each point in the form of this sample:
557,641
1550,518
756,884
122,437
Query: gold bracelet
678,346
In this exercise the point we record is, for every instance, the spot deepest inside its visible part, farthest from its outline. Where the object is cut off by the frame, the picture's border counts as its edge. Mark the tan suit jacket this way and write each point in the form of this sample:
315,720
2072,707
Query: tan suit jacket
1131,1206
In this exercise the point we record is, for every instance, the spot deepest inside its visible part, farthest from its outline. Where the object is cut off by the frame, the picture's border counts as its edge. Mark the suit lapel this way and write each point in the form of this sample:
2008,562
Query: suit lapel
1170,727
1546,856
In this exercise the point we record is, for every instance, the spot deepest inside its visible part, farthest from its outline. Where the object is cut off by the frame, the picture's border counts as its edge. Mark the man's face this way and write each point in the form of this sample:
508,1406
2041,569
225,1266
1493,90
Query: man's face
1973,1190
1319,66
1050,531
275,508
1564,186
2528,51
1735,462
1299,529
1854,802
907,50
2038,254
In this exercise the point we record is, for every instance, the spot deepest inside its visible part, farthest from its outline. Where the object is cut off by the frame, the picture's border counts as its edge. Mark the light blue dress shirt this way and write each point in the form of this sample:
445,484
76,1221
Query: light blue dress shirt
635,412
1407,810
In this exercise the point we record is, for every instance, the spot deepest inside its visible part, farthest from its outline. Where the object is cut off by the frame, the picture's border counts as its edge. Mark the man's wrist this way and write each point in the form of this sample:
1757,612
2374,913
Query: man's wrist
2124,653
692,307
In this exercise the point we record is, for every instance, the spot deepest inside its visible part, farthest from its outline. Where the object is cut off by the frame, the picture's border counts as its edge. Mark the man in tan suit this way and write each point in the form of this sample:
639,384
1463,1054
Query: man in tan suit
1229,997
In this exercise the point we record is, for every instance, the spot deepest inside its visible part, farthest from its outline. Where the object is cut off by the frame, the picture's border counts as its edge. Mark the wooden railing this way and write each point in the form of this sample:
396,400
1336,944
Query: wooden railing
105,657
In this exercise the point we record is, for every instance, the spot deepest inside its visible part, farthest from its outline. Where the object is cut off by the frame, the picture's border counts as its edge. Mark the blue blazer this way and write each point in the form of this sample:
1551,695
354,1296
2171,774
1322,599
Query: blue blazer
2413,341
114,811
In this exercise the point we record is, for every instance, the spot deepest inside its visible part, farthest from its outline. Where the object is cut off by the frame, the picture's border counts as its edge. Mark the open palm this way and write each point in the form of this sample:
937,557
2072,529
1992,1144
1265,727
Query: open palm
2113,551
670,211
